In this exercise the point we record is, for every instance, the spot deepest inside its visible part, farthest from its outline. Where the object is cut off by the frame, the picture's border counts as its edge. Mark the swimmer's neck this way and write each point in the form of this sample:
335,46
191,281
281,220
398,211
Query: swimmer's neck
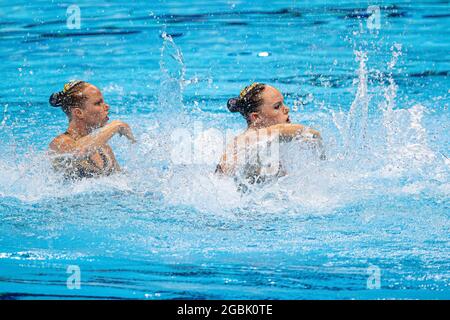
78,129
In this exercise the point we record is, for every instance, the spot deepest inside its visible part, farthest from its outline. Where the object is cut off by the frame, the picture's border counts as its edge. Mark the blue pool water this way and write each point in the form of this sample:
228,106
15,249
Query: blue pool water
379,205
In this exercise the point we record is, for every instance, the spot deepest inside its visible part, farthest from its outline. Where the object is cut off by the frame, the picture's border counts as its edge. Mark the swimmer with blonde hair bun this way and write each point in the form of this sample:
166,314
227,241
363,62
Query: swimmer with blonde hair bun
83,151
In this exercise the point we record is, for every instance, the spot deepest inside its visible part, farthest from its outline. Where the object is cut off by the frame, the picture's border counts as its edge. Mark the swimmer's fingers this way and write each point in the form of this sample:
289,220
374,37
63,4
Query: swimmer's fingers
125,130
311,134
132,139
129,135
315,143
310,140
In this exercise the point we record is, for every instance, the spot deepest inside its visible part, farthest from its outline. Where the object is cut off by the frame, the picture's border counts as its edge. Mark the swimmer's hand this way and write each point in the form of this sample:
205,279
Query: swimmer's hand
314,139
300,132
123,129
310,135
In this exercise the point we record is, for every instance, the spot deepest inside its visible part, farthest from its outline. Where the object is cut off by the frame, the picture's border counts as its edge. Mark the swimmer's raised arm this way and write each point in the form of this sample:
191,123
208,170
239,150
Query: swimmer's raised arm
285,130
90,143
291,130
308,135
288,132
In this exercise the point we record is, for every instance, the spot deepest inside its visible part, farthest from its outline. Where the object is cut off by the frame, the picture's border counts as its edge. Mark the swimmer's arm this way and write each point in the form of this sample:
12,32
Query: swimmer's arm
90,143
287,132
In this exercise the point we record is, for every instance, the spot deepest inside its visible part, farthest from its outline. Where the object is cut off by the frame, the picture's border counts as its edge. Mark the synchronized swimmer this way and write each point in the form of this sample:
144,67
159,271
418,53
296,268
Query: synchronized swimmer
83,151
267,117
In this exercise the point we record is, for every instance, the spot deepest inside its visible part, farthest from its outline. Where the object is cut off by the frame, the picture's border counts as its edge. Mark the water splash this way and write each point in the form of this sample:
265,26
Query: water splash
172,73
356,127
380,154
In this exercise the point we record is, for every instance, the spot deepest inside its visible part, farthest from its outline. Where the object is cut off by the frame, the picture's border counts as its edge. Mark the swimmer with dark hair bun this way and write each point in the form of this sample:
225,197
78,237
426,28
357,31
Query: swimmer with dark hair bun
267,117
83,150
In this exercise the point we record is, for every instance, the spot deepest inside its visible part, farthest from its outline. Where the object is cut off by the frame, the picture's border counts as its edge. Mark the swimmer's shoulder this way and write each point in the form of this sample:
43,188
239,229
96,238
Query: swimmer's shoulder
62,143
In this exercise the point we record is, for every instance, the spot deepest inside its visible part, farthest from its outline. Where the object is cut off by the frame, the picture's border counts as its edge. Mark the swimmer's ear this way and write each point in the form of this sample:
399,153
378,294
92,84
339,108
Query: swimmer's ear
253,117
78,113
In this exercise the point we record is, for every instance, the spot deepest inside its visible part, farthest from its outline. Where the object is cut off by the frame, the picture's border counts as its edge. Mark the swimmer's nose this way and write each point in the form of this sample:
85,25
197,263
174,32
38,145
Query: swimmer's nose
286,109
106,107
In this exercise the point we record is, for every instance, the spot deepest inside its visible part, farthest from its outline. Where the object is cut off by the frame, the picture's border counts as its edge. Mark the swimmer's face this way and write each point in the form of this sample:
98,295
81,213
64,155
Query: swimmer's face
95,110
272,111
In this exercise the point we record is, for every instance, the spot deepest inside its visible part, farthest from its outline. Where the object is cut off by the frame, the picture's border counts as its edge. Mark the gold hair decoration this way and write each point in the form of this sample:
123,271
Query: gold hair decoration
247,89
69,85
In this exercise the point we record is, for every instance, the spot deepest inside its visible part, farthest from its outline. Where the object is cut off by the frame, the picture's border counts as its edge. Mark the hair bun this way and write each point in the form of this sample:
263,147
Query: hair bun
56,99
232,105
